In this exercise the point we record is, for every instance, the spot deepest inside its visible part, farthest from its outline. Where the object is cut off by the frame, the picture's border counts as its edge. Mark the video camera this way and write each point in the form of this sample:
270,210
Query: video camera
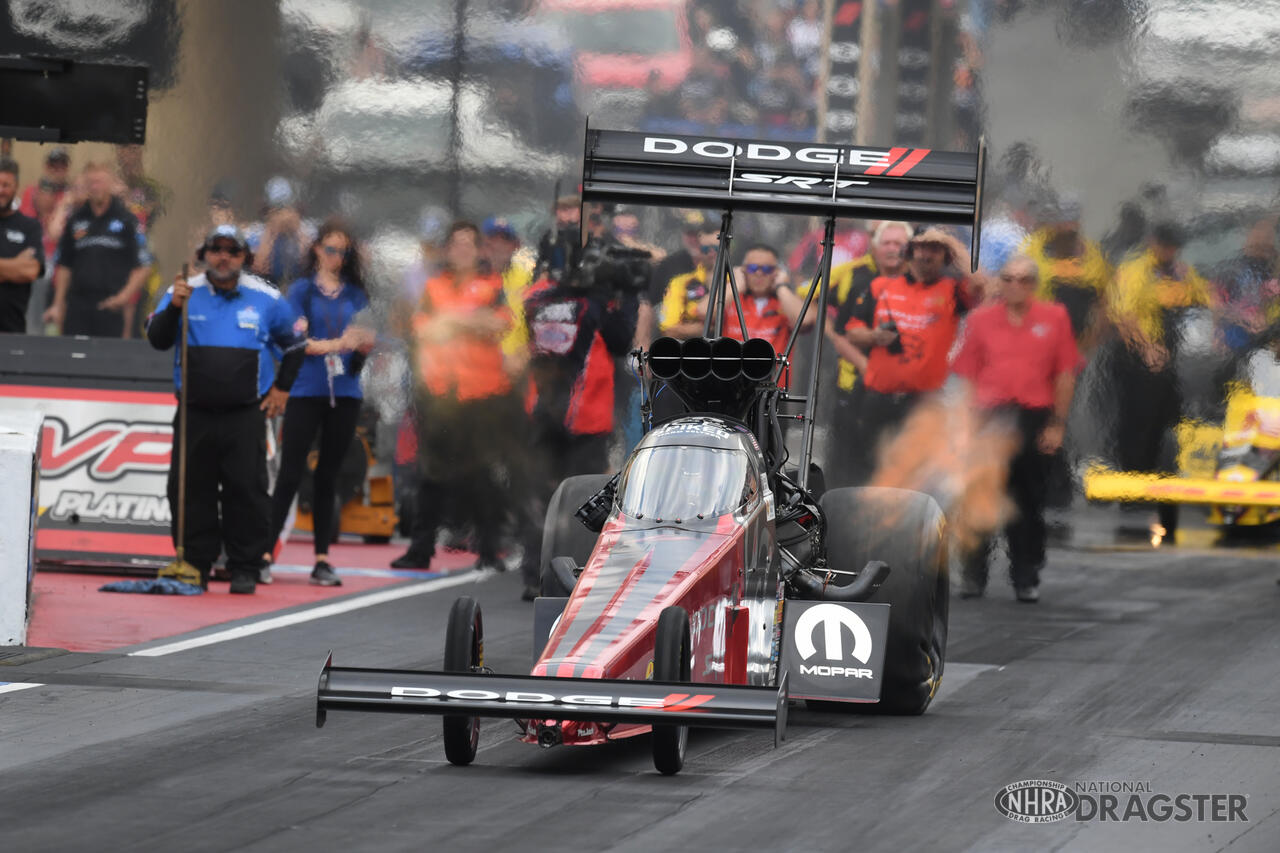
610,266
602,265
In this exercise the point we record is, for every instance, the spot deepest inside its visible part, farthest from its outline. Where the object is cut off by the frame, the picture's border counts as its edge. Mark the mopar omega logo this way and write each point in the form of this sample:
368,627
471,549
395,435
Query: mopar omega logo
832,618
1036,801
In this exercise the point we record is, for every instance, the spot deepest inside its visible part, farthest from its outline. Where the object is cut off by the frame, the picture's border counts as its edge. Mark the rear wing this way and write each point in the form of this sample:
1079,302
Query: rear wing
805,178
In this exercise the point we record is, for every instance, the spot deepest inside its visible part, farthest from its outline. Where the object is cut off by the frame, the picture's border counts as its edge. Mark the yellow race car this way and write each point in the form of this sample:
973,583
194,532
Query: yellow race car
1234,468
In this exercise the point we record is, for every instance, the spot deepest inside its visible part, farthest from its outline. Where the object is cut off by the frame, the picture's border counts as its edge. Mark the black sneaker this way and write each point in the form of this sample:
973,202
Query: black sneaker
412,560
530,592
1027,594
324,575
244,583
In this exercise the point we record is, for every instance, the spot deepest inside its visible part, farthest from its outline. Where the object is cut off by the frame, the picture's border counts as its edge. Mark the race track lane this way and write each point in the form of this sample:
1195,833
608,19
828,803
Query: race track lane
1136,666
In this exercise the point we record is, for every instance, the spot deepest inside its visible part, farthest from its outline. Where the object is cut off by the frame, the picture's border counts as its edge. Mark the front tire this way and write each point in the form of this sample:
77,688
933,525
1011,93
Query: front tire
671,662
908,531
463,652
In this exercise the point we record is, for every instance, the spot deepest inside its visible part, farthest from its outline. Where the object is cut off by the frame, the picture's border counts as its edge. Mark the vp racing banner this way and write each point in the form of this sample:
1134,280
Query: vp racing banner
108,408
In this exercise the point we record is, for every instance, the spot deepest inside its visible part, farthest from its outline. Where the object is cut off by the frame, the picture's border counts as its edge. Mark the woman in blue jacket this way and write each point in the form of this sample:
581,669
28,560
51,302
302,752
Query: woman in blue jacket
326,396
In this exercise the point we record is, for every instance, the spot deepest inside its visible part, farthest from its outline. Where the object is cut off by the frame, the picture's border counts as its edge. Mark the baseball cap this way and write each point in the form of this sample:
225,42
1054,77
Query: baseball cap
499,226
226,232
279,192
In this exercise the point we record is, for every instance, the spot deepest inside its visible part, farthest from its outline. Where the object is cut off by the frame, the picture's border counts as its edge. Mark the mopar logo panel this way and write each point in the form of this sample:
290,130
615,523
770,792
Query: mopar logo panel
835,650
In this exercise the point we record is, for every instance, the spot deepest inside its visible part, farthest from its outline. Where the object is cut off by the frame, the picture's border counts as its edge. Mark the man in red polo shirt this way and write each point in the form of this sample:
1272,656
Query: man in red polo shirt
906,325
1019,356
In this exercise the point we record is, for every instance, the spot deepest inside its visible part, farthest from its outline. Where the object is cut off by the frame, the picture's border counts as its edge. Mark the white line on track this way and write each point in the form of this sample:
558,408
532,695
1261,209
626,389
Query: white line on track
13,687
319,612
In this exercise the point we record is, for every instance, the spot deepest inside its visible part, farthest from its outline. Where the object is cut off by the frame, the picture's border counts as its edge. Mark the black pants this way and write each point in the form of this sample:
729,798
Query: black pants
227,502
1147,408
85,318
1028,488
13,307
303,418
1148,405
850,457
882,416
554,455
471,473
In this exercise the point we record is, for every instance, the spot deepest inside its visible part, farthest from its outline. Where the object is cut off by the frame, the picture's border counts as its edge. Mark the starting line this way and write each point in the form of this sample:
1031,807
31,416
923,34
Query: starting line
319,612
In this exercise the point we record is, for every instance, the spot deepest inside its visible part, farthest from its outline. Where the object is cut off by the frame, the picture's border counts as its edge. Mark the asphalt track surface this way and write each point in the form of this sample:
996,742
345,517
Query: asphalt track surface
1161,667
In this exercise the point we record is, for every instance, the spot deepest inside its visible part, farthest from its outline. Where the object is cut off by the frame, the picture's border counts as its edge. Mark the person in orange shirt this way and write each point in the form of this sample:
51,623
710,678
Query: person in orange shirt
465,438
907,327
769,305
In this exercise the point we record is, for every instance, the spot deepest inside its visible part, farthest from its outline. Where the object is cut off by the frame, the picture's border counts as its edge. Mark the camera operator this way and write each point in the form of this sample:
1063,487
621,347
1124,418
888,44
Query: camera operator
581,317
556,246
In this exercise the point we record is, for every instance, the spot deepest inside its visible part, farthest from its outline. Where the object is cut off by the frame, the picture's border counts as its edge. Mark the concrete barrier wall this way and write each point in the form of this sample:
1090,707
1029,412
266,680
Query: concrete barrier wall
19,486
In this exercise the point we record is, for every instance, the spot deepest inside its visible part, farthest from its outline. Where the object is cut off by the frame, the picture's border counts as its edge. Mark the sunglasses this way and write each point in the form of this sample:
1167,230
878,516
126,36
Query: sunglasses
332,251
767,269
706,250
1020,279
223,249
52,186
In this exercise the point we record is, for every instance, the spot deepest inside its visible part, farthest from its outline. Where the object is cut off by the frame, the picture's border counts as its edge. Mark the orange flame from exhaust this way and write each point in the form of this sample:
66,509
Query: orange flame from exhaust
959,456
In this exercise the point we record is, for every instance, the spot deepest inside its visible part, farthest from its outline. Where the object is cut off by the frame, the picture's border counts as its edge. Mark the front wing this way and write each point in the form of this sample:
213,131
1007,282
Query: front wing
541,698
1122,486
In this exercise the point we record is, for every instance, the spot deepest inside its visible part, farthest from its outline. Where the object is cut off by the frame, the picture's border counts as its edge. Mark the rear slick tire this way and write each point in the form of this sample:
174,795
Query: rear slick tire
463,652
671,662
908,531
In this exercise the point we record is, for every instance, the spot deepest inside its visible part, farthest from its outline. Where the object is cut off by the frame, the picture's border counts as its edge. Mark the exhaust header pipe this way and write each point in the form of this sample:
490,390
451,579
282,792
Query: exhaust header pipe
725,359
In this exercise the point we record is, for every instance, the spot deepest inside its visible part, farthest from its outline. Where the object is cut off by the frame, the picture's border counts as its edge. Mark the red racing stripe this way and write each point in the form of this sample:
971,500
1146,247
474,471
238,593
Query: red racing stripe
693,702
706,551
894,154
906,165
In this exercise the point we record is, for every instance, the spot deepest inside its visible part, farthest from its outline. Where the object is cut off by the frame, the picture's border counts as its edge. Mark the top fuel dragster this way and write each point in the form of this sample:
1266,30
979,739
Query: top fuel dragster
709,582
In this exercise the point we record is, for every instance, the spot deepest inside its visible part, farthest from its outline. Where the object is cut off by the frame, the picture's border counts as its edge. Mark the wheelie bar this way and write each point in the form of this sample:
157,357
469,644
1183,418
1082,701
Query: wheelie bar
533,697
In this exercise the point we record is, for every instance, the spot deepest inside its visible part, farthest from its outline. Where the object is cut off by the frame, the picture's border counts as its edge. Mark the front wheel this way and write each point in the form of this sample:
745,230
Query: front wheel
463,652
671,662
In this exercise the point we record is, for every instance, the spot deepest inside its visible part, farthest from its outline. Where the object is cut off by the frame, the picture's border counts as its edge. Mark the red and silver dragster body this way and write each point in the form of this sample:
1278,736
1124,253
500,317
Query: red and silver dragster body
692,528
707,584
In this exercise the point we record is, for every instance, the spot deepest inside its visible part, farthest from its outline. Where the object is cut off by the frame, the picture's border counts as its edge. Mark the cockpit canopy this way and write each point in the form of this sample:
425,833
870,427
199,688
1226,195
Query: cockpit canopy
689,470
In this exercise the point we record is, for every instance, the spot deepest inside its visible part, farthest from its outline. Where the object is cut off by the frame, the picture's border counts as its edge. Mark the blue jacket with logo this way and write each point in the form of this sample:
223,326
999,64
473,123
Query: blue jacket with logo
229,342
327,319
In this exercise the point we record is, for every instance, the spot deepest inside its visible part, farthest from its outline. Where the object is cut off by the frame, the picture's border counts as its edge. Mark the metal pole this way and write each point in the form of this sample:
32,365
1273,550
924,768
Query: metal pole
737,302
455,125
713,324
811,398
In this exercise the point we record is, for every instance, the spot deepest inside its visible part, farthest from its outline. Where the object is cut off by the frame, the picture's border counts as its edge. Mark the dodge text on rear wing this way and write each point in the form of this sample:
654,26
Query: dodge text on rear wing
533,697
814,179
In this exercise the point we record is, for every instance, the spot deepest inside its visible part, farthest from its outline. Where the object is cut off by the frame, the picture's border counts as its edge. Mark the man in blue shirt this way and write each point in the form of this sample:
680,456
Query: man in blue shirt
232,386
